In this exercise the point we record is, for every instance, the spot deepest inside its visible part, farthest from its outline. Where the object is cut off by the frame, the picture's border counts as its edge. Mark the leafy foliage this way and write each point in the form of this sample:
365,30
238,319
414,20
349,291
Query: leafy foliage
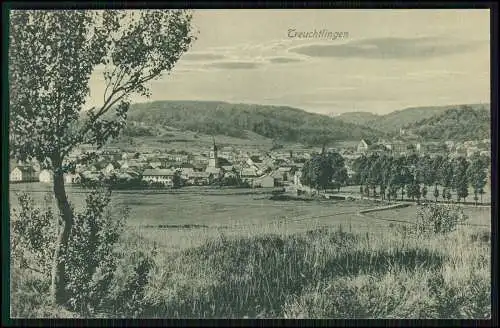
32,236
90,258
411,174
324,170
477,174
59,50
176,179
460,178
52,55
439,219
100,276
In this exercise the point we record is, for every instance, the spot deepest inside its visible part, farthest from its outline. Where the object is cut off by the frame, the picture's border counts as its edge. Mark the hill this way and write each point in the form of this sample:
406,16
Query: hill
279,123
361,118
393,121
459,124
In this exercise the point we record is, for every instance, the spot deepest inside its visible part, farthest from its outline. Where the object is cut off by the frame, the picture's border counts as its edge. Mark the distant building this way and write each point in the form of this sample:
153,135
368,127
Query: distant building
471,151
283,174
164,176
486,153
199,178
397,147
248,172
124,164
156,165
228,168
363,146
186,171
213,159
296,178
23,173
449,144
266,181
227,153
110,168
71,178
45,176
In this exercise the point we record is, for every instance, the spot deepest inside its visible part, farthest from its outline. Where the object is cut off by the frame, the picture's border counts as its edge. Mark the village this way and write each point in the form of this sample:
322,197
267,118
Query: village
258,168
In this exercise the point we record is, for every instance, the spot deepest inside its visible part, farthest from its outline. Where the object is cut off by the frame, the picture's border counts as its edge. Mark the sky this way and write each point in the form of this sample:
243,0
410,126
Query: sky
373,60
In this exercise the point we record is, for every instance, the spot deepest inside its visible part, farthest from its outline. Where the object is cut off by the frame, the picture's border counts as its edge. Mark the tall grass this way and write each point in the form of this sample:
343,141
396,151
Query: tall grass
326,273
321,273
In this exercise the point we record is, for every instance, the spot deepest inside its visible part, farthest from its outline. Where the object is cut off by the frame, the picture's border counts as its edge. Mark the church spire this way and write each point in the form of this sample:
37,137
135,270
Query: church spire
215,146
213,160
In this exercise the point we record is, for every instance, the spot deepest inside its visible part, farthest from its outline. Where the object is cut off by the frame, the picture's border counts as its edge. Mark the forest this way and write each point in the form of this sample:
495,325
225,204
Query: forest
276,122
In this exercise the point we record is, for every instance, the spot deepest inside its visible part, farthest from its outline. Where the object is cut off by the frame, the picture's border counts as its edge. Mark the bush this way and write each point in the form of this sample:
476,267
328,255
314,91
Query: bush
439,219
100,275
91,260
32,237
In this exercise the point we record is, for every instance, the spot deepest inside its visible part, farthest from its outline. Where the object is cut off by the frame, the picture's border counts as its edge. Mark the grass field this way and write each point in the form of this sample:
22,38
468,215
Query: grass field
235,253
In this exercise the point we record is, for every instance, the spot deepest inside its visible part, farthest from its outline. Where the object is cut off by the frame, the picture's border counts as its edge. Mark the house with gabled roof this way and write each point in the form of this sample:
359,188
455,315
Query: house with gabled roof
363,145
164,176
248,172
23,173
265,181
200,178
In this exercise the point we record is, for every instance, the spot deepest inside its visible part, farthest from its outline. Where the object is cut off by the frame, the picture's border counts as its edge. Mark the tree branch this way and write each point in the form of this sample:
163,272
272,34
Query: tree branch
109,84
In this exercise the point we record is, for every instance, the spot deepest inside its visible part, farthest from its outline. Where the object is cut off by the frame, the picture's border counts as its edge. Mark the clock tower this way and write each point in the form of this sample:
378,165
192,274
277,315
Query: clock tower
213,160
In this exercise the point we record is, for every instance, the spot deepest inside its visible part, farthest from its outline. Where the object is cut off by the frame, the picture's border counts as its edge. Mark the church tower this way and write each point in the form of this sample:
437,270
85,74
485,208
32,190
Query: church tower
213,160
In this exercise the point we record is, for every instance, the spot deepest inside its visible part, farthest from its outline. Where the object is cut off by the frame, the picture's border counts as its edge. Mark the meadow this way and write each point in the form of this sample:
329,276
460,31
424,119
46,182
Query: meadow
189,216
233,253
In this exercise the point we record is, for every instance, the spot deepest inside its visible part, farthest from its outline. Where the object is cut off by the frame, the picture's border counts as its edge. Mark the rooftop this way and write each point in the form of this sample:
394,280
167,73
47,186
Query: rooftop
158,172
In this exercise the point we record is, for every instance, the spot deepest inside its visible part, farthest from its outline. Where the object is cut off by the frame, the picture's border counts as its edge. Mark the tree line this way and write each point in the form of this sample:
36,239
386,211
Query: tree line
414,175
391,177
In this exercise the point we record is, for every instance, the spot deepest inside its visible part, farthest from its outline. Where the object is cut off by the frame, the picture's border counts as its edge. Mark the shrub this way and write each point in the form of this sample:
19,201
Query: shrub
100,275
91,260
32,237
439,219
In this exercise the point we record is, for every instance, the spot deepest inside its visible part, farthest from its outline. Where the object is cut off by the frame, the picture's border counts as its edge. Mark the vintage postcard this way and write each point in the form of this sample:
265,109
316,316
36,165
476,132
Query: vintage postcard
298,164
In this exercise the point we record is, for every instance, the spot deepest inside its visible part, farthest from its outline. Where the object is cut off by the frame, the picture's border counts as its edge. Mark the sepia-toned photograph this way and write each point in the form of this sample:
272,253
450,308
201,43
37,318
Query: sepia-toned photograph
249,164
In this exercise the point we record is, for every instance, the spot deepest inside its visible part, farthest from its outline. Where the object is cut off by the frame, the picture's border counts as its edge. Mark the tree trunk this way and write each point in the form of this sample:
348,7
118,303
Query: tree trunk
58,283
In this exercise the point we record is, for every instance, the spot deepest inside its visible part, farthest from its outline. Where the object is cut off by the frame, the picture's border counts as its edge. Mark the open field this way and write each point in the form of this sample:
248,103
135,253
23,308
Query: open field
188,217
233,253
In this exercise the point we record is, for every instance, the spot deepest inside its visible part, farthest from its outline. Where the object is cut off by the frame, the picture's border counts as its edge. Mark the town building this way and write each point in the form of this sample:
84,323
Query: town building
363,146
45,176
23,173
199,178
70,178
296,178
213,159
266,181
164,176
